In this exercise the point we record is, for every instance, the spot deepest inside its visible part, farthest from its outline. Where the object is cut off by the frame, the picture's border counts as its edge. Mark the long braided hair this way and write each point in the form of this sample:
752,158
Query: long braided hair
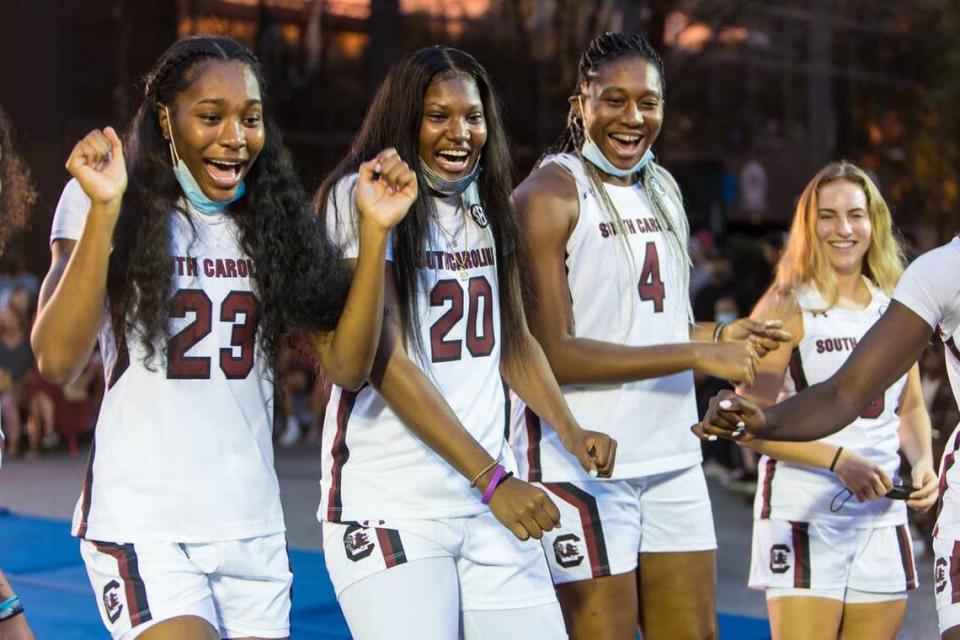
393,120
17,193
301,281
659,186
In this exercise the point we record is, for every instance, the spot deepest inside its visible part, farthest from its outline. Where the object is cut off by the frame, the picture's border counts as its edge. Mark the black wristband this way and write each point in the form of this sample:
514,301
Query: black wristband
836,457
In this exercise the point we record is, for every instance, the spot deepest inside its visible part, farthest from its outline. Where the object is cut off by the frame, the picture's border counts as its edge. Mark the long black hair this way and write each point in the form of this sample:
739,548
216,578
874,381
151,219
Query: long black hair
393,120
661,189
300,280
17,194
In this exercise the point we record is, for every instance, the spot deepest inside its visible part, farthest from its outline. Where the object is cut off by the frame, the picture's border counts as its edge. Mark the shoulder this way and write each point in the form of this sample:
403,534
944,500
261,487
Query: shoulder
549,187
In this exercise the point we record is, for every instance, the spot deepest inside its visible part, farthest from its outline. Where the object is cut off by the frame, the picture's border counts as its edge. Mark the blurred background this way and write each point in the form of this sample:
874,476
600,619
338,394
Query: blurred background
760,94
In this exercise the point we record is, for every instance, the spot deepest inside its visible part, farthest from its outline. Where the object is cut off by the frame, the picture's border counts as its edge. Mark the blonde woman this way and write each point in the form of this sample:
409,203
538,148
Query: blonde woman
831,546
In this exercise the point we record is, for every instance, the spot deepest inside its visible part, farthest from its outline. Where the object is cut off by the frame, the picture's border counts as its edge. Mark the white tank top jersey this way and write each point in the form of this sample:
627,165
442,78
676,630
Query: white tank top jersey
930,287
183,453
789,491
374,467
617,301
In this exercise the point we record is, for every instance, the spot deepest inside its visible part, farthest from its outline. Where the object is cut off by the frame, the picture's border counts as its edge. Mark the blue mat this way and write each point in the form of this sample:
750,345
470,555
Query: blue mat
43,562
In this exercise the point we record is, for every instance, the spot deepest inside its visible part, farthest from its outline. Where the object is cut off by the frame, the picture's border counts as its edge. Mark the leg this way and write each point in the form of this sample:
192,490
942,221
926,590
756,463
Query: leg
804,618
181,628
677,568
10,407
600,609
880,620
592,558
414,600
678,595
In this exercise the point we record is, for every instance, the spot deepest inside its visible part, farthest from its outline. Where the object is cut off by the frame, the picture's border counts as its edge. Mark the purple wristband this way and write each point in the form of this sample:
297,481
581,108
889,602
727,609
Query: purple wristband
492,485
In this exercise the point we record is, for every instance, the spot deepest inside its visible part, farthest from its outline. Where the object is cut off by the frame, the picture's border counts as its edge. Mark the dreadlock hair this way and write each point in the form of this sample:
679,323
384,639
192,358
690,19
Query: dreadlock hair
393,120
659,186
300,280
17,194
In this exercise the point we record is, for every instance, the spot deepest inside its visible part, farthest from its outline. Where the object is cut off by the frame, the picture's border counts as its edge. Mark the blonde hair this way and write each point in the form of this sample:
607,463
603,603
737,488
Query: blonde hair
804,262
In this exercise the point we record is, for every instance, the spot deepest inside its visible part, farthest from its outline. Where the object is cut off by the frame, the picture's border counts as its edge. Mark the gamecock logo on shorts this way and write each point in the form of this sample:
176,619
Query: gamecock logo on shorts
111,600
566,548
940,574
779,558
357,542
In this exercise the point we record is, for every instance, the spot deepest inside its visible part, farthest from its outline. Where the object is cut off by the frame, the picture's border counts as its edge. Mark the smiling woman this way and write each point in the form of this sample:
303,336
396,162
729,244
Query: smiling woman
180,502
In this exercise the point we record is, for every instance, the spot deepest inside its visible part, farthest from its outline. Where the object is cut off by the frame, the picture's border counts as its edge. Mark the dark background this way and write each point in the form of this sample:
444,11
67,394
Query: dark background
759,94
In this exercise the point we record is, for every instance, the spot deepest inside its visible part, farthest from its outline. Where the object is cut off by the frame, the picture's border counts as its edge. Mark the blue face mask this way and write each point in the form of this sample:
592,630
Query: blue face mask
443,187
590,151
191,190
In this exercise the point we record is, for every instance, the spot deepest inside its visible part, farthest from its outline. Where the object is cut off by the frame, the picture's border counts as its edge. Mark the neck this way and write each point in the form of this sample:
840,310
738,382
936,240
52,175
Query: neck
851,287
625,181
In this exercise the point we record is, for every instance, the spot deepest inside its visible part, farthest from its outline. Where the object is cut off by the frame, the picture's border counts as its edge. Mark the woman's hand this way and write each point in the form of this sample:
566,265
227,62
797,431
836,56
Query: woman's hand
386,188
523,508
98,165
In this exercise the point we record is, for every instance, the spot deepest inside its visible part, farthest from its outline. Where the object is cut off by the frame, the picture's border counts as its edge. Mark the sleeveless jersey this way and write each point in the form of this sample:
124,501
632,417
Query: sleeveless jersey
182,449
790,491
930,287
621,299
373,466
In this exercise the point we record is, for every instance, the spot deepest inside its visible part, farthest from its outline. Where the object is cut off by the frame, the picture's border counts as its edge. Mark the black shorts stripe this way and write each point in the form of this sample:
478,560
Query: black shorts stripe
586,504
796,371
770,470
801,554
341,453
391,547
138,608
906,557
87,491
534,433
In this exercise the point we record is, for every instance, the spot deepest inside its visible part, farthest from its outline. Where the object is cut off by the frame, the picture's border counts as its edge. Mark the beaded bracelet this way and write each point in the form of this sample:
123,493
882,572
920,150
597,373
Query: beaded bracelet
476,478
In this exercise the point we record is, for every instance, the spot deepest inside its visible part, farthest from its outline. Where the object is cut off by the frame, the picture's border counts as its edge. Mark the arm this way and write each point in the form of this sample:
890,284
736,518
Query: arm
917,444
521,507
15,628
886,352
72,298
529,375
548,208
347,353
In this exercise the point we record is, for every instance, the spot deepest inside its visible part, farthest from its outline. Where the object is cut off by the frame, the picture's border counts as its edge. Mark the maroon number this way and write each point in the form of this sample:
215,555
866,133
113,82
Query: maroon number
242,335
479,345
446,291
874,409
651,286
180,366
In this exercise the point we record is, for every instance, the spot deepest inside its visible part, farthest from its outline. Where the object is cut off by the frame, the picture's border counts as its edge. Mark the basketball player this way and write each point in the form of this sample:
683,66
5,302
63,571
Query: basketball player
607,234
832,552
425,528
190,260
927,299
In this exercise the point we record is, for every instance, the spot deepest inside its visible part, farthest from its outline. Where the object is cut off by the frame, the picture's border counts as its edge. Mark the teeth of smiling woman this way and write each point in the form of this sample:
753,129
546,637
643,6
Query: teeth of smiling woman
453,155
625,139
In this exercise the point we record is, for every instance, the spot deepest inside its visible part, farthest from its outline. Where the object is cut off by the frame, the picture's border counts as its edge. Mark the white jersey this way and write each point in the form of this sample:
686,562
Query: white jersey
930,287
183,453
617,301
374,467
802,493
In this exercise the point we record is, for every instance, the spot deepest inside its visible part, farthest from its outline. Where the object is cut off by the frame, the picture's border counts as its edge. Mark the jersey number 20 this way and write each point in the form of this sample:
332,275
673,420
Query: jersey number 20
448,290
180,366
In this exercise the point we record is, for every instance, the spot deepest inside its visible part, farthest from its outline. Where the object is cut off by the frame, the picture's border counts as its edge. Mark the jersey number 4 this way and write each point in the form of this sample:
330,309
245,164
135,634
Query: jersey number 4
180,366
479,345
651,286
